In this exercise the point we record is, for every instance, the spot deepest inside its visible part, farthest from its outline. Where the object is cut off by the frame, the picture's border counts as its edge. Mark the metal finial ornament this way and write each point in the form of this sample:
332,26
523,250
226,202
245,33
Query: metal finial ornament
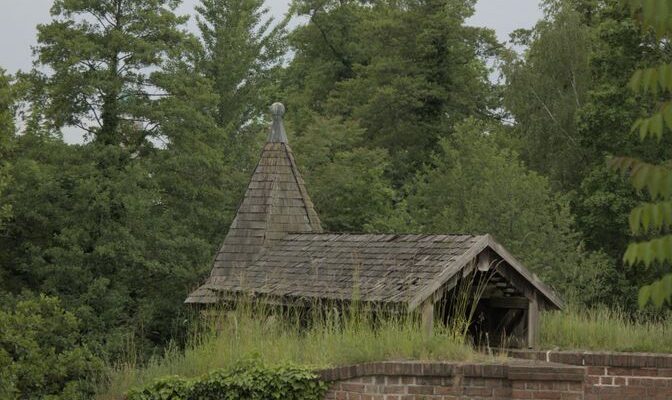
277,134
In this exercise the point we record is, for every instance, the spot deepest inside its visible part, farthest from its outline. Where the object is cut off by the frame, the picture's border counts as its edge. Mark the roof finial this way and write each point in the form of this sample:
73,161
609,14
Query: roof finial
277,128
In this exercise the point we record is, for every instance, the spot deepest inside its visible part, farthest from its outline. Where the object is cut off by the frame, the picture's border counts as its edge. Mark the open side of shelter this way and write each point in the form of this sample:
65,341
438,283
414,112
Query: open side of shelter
275,249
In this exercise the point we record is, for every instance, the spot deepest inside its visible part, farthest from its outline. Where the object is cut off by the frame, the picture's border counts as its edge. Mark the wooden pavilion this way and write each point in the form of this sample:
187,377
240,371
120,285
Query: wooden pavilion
276,248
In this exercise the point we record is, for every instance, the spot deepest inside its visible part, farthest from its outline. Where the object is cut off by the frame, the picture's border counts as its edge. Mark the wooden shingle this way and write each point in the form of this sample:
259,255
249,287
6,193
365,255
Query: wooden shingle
275,246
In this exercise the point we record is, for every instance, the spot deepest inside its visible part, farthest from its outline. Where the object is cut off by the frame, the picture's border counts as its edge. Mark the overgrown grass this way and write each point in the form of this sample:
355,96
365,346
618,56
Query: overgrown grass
329,339
604,329
352,336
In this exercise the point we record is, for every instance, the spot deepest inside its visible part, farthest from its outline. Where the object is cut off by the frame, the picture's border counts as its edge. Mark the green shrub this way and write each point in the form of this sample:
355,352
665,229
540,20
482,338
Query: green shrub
42,355
246,380
171,388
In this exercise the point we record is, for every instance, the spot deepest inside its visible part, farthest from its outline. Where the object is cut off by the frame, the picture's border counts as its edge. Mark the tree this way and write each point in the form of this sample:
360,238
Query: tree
215,117
42,354
477,186
651,221
590,111
407,72
120,228
347,181
243,52
6,135
104,56
545,88
123,72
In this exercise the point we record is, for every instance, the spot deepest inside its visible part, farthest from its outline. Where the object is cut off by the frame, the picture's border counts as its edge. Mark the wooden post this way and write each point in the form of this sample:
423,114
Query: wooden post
532,321
428,317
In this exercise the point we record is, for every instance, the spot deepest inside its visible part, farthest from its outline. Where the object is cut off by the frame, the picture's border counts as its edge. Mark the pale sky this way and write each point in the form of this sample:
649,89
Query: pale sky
19,18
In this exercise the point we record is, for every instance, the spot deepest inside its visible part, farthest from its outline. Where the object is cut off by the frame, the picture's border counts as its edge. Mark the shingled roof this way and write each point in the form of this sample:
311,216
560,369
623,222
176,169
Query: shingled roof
275,247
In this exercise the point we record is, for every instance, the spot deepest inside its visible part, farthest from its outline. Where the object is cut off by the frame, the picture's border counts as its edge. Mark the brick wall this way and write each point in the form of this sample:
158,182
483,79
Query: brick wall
417,380
617,376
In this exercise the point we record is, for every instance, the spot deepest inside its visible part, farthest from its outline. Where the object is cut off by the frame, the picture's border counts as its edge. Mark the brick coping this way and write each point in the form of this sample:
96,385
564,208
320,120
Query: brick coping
595,358
528,370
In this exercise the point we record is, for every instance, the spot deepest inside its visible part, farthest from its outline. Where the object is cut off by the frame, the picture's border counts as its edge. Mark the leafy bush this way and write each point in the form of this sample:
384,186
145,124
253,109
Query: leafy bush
41,354
246,380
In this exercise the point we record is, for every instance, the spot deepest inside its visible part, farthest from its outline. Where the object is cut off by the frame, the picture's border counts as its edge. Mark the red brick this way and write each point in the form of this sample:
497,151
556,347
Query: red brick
546,395
520,394
606,380
593,380
393,389
596,370
429,380
407,380
446,381
353,387
392,380
494,383
420,389
501,392
645,372
619,371
477,391
443,390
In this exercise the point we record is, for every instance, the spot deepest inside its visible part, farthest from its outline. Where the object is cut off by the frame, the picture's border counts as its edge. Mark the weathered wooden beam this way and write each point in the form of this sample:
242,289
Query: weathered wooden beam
427,317
528,276
516,281
519,303
532,321
484,260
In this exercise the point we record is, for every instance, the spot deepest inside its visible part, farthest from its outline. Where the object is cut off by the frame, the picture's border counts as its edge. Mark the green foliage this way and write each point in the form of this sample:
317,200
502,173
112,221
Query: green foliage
569,96
477,187
6,135
42,355
121,268
545,88
651,219
106,58
121,227
249,380
405,71
243,51
347,181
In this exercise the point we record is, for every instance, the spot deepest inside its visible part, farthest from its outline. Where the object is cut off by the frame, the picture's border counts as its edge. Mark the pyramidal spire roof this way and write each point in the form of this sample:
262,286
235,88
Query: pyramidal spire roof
275,204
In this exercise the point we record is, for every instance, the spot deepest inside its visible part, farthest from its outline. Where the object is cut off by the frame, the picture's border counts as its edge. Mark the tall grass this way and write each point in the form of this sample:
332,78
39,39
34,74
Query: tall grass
331,338
337,336
605,329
